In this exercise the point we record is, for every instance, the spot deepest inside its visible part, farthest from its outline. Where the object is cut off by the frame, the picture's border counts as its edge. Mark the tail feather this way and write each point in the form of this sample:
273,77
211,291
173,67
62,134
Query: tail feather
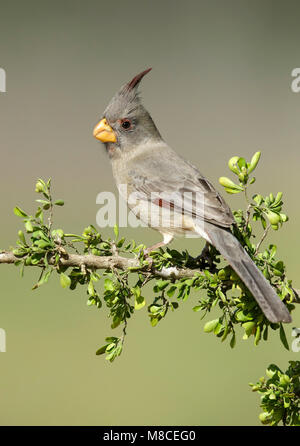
229,246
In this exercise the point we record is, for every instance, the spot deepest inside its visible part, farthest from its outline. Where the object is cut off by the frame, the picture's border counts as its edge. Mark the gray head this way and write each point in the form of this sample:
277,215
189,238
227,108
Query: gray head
125,122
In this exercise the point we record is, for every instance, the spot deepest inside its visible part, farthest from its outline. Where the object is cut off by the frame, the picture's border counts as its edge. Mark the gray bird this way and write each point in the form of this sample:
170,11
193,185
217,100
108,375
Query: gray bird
169,194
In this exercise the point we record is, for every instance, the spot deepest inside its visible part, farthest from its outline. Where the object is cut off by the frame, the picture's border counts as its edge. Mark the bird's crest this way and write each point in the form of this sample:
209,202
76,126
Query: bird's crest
126,100
137,79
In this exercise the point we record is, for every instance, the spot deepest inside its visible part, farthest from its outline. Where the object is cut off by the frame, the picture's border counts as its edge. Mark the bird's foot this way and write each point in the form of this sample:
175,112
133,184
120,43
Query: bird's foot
155,247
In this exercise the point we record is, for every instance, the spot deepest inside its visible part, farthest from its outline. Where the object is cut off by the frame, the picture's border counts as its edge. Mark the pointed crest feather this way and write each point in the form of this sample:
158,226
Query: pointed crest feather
137,79
126,101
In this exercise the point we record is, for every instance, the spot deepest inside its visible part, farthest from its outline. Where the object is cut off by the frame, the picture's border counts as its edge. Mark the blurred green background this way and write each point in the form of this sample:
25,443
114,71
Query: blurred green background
220,86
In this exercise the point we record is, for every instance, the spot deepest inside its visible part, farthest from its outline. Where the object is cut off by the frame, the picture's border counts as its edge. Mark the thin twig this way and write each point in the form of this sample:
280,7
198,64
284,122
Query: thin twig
248,213
262,239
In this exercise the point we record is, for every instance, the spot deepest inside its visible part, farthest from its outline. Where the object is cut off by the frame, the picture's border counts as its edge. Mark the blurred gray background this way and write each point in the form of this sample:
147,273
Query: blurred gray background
220,86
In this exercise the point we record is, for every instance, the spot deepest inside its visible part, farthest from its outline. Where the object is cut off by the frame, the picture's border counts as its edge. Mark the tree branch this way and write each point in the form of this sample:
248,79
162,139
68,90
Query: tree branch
108,262
119,262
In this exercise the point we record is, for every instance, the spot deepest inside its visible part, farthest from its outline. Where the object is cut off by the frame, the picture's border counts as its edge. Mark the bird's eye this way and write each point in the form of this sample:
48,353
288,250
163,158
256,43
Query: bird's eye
126,124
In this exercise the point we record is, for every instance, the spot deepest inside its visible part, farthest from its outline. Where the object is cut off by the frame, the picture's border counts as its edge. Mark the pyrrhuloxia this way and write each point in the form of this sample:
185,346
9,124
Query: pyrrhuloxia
145,166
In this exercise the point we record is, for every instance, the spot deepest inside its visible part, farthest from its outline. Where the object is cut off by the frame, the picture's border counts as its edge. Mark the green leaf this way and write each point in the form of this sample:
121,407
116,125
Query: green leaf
154,321
154,309
211,325
28,226
265,417
116,230
102,350
241,162
19,252
273,217
19,212
258,199
42,243
139,302
109,285
197,308
171,291
263,222
65,280
232,191
91,289
111,339
227,183
249,327
226,331
233,341
161,285
284,217
254,162
59,202
121,242
284,380
40,186
270,373
232,164
22,237
283,337
242,317
43,201
257,335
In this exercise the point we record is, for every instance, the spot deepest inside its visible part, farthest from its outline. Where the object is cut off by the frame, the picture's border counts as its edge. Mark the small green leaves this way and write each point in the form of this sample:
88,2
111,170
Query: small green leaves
280,396
216,285
242,170
19,252
40,186
113,348
269,208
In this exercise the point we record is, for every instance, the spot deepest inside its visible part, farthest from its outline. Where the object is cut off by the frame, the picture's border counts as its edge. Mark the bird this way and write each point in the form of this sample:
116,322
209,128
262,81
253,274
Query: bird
169,194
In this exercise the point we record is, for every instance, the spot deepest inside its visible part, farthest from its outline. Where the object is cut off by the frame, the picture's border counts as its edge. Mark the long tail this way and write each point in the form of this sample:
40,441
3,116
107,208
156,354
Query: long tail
229,246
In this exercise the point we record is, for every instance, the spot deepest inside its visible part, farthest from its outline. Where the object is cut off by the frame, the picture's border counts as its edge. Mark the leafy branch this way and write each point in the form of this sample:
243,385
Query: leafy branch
280,395
174,275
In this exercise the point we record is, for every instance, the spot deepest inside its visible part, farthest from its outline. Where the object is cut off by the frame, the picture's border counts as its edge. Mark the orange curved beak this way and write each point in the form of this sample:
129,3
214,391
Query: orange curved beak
104,132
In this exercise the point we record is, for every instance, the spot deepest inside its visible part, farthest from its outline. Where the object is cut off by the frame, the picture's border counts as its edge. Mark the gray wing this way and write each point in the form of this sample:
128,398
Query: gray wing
180,184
